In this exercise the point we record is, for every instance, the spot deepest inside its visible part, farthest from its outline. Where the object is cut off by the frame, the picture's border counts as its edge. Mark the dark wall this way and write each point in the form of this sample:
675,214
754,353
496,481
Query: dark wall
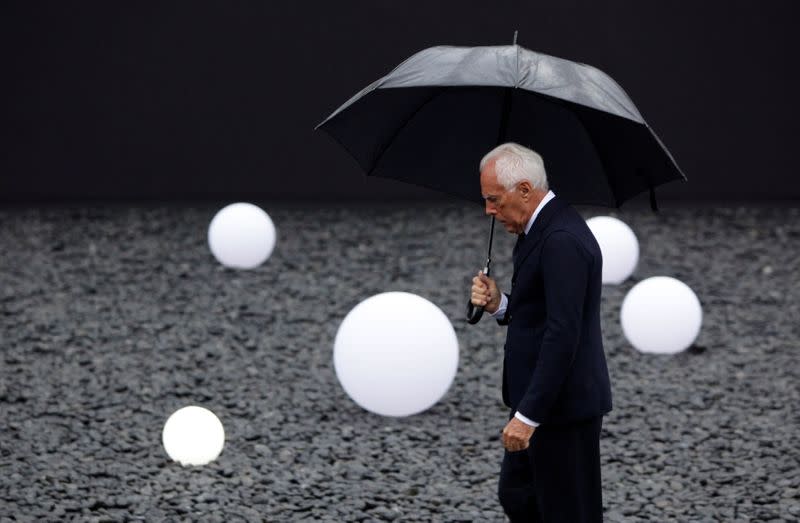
163,99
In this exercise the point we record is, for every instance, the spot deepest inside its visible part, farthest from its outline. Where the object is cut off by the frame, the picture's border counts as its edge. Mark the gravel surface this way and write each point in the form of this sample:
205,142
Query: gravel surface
111,318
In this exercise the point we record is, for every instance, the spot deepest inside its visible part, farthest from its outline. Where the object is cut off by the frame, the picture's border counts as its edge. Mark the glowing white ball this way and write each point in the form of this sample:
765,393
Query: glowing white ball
193,436
396,354
619,246
661,315
241,236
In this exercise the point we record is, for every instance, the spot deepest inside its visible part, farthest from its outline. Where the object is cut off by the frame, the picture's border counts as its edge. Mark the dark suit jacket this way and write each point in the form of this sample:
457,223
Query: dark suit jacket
554,370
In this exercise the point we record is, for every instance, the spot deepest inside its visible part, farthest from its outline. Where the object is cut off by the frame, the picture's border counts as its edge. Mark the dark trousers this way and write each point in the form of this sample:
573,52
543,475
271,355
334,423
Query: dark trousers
557,479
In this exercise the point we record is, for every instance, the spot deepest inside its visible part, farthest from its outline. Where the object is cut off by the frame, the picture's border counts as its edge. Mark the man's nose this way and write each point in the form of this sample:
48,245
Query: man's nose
490,209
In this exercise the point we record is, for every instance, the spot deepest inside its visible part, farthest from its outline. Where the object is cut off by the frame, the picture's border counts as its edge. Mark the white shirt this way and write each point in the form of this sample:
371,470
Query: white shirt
501,310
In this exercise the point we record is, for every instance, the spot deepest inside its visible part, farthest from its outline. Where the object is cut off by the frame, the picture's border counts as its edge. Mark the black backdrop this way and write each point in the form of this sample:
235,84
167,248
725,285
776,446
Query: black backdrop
199,99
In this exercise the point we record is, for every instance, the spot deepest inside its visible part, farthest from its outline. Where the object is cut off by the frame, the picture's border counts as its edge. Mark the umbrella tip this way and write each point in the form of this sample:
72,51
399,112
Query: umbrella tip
515,37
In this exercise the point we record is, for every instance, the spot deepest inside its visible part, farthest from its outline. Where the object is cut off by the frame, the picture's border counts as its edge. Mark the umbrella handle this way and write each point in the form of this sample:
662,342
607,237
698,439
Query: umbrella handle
474,313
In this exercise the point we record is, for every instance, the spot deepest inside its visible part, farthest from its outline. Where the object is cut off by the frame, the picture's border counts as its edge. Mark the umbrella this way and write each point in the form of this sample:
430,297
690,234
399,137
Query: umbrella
431,119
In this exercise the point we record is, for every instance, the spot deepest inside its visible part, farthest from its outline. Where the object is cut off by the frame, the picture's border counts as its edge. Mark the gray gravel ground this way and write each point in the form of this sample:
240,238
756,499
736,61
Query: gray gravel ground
113,317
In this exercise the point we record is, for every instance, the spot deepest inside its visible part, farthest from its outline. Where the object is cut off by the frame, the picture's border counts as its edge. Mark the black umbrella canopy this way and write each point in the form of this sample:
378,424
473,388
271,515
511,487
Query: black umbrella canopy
431,120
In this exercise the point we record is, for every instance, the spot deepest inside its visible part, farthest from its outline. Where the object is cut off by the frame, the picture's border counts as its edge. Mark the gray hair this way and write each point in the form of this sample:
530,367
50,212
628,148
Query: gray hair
515,164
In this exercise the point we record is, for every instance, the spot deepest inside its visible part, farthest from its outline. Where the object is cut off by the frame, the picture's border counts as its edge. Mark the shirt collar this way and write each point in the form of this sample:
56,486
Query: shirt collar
547,197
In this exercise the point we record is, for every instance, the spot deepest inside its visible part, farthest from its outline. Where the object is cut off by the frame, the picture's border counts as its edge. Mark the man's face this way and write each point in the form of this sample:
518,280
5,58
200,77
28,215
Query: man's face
511,208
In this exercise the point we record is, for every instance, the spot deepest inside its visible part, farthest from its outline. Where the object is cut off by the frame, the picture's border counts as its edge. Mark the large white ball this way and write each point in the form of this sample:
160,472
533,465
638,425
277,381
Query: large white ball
193,436
241,236
396,354
619,247
661,315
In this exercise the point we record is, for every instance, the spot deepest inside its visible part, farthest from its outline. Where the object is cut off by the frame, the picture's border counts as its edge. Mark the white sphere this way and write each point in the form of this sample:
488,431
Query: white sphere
241,236
619,247
396,354
193,436
661,315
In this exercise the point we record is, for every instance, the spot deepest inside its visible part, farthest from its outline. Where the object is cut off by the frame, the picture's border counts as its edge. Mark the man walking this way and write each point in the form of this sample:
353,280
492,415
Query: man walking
555,378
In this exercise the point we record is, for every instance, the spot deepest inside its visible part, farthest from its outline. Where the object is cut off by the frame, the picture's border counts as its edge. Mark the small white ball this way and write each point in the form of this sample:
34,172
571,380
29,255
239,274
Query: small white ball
193,436
619,247
661,315
396,354
241,236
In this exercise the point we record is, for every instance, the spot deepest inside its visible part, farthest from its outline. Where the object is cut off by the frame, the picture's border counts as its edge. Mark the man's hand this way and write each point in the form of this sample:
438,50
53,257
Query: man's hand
485,293
517,435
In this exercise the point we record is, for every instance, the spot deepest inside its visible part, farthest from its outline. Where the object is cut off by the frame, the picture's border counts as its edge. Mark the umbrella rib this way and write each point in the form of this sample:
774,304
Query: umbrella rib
664,148
650,185
611,185
400,128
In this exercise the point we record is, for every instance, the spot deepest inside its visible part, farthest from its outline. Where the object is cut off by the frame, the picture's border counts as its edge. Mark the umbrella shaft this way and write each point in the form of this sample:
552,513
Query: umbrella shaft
505,112
501,138
489,255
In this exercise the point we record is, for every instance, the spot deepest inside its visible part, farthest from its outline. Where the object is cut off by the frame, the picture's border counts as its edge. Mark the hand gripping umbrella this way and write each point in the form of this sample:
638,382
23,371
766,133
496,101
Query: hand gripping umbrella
431,120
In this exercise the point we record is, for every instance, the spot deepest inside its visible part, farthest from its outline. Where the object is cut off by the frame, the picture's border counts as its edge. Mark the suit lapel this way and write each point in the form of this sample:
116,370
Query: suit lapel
550,209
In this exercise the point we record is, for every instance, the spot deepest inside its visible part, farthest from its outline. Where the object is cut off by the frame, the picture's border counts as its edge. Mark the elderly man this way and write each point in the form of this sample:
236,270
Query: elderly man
555,378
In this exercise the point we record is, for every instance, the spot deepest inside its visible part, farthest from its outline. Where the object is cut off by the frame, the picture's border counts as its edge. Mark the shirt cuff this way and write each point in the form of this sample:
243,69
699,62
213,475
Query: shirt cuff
501,310
525,420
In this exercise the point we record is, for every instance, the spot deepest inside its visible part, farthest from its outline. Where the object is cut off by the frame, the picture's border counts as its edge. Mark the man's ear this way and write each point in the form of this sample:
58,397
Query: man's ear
525,189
